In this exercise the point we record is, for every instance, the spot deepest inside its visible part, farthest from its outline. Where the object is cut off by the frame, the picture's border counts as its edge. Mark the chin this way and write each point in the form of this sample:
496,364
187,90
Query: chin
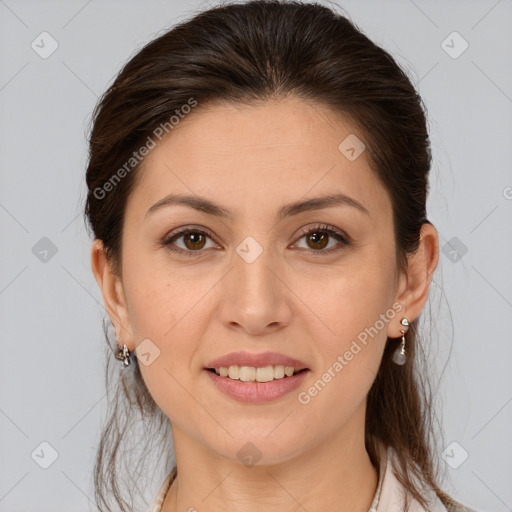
261,448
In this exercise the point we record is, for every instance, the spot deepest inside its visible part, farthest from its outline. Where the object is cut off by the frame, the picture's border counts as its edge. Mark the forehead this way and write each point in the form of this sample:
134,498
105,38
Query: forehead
251,156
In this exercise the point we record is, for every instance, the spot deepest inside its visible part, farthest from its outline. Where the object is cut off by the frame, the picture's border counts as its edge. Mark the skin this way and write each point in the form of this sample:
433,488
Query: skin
294,299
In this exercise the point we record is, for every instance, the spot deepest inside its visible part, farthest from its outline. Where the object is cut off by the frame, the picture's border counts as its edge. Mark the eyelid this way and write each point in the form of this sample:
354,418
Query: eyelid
186,229
325,227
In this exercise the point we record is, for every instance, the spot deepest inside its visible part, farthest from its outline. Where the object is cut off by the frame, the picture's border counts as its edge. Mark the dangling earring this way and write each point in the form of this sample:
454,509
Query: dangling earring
124,355
400,356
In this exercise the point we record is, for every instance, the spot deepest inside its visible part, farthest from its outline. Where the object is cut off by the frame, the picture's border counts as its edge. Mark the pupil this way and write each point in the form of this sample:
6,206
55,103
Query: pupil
322,239
194,243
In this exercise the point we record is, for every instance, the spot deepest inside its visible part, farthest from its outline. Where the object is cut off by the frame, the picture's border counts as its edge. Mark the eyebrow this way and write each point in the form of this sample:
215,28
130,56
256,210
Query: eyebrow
211,208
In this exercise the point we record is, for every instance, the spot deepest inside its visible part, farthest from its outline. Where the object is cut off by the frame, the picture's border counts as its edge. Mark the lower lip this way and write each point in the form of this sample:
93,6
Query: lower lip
257,392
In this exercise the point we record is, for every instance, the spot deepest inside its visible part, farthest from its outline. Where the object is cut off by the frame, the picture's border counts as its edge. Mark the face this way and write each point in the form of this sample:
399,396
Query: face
252,280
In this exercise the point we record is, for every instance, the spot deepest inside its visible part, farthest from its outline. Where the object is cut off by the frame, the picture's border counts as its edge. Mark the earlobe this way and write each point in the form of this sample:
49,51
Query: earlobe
418,276
111,288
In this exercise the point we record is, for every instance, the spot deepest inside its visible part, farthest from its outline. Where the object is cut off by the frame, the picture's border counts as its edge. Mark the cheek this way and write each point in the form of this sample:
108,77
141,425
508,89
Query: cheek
161,301
163,311
352,304
169,309
353,311
351,347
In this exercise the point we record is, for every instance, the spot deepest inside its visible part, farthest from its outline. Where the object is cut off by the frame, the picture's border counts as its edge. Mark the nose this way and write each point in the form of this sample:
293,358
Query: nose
256,298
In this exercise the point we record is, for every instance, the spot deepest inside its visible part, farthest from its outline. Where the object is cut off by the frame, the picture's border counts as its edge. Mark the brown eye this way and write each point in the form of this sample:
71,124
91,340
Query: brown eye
194,240
191,240
317,238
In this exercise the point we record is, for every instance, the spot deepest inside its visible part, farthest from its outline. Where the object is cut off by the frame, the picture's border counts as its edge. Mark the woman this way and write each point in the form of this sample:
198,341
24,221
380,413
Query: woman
257,188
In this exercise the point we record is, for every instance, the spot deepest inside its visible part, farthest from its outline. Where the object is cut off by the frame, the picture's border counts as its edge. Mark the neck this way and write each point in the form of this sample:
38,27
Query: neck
338,470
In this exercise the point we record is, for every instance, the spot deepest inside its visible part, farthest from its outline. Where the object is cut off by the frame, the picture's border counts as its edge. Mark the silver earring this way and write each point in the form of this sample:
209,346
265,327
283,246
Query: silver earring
124,355
400,356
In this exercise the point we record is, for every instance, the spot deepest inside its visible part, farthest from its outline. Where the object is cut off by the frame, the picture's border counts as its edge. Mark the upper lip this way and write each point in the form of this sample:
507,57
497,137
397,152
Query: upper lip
256,360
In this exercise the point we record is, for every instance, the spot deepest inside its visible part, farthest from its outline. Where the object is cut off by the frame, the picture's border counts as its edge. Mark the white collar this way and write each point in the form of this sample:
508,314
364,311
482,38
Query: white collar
390,494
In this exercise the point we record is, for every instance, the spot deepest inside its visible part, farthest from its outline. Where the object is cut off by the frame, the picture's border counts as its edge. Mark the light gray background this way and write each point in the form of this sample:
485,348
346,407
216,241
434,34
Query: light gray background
51,365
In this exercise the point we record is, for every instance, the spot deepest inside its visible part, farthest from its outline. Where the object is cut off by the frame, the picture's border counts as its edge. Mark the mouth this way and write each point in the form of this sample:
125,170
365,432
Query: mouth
256,385
260,367
256,374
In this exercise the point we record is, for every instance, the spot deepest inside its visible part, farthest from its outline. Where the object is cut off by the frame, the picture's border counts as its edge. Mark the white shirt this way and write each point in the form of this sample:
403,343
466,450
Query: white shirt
389,496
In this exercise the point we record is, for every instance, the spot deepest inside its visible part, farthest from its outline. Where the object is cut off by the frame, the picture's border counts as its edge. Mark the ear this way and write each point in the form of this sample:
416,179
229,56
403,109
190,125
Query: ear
112,291
414,284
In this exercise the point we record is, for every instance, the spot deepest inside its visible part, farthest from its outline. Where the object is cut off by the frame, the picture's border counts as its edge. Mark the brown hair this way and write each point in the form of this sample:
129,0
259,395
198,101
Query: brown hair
248,53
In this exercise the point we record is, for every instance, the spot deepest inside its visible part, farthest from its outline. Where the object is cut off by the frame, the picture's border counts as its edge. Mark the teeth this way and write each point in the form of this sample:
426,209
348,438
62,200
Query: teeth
250,373
233,372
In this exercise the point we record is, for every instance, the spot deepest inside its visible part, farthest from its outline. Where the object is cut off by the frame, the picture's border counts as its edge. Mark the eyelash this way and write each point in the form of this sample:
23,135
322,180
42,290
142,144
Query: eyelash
316,229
